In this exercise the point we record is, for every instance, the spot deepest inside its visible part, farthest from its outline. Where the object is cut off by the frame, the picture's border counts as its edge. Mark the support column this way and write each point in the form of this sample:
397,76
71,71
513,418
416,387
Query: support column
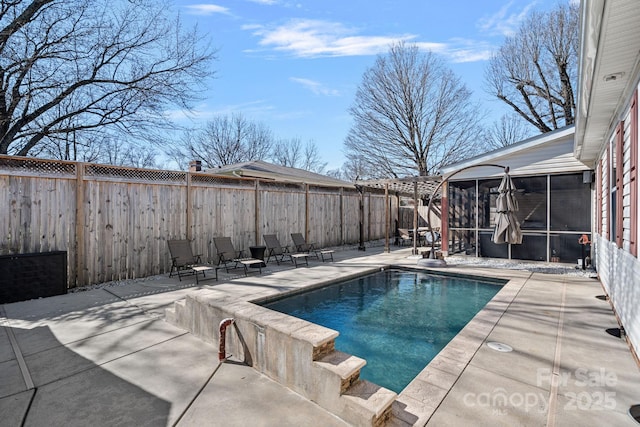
387,218
415,218
444,222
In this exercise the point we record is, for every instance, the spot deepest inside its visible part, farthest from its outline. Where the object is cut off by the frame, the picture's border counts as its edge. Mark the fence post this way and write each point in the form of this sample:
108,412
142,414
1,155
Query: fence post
189,207
257,211
306,212
80,279
342,215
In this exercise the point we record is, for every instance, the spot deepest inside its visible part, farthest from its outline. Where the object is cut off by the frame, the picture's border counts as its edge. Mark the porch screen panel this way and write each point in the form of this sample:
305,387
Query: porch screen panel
489,249
567,248
532,202
463,242
487,194
462,204
533,248
570,207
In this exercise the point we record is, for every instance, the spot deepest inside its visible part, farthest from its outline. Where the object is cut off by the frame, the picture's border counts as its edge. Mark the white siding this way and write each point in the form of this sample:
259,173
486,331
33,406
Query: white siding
619,273
618,269
549,158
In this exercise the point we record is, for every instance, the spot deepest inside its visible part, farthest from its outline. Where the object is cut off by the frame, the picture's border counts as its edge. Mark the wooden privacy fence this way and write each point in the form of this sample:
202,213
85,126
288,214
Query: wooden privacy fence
114,222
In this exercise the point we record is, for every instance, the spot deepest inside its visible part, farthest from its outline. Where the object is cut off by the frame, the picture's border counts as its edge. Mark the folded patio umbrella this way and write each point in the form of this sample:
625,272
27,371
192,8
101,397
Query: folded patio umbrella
507,226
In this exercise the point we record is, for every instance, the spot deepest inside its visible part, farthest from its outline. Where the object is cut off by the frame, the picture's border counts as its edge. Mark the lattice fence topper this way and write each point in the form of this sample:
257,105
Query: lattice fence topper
106,171
206,178
39,167
281,186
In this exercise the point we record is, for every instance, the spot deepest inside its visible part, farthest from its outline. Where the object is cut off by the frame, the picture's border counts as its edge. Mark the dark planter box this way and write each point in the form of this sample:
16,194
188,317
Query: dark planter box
29,276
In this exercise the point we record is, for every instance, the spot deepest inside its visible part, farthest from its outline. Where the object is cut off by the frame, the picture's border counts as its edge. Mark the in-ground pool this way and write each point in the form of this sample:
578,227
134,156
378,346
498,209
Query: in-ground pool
395,319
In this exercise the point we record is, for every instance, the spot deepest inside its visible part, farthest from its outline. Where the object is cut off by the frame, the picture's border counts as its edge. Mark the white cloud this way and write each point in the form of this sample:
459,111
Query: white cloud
205,112
206,9
464,50
315,87
314,38
504,22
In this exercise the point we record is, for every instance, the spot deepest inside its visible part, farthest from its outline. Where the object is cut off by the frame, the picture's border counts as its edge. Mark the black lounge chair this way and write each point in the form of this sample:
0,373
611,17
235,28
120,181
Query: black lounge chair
227,255
276,250
302,246
184,262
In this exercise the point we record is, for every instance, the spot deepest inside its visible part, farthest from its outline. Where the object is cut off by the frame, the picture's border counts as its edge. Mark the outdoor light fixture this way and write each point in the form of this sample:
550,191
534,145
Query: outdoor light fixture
613,77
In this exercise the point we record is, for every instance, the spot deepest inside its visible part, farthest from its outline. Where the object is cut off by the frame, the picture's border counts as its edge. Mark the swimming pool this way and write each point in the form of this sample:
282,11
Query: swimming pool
396,320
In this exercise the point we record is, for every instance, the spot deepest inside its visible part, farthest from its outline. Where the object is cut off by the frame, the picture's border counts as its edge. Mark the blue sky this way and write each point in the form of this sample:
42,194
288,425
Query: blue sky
296,65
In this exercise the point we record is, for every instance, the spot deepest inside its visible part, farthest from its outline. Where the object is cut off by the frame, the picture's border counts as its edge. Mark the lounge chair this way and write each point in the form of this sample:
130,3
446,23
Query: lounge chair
227,255
302,246
276,250
404,236
184,262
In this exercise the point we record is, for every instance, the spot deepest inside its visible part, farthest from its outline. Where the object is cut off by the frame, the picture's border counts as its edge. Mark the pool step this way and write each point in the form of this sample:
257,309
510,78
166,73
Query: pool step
360,402
371,401
172,313
345,366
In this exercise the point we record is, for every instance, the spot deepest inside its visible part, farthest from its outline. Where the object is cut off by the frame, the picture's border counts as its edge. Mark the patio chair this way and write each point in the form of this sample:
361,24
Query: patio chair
404,236
227,254
184,262
302,246
276,250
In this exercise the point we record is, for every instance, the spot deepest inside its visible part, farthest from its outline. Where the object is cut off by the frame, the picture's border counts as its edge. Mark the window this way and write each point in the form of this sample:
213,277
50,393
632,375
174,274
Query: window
617,204
633,178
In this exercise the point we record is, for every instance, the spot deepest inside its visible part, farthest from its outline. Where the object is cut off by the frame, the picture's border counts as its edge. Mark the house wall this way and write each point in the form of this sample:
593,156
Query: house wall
616,220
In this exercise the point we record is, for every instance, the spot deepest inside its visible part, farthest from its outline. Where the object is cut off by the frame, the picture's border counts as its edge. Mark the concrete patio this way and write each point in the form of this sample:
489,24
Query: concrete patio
107,357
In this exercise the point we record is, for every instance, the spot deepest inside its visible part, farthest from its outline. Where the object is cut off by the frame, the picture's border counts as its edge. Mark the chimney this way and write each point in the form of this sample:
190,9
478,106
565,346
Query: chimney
195,166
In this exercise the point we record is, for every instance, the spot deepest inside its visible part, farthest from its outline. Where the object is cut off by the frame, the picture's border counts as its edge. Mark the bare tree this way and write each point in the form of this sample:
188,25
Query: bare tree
507,131
353,168
411,115
535,71
81,66
291,153
226,140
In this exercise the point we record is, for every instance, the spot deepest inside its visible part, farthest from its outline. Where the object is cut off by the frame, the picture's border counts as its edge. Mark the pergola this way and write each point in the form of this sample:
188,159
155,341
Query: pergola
417,187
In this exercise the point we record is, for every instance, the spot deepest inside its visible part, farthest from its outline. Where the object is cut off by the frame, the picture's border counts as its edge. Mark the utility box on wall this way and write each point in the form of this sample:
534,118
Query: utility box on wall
29,276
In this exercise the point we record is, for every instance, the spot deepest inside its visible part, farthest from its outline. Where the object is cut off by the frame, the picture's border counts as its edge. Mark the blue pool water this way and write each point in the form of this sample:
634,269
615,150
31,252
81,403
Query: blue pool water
397,320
